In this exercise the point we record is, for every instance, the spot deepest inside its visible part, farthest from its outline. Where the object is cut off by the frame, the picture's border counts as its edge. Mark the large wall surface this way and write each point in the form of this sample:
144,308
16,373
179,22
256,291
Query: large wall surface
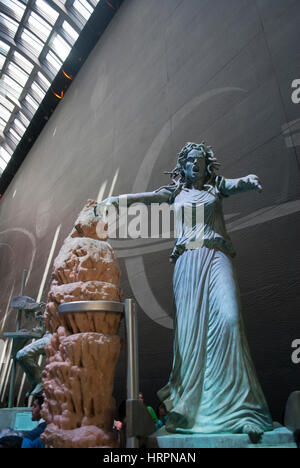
166,72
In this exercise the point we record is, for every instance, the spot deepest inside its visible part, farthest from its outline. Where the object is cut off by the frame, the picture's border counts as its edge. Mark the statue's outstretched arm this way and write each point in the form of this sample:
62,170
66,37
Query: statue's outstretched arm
243,184
147,198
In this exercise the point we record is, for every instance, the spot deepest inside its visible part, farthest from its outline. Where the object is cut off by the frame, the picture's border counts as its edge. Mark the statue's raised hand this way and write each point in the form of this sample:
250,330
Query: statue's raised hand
254,182
110,201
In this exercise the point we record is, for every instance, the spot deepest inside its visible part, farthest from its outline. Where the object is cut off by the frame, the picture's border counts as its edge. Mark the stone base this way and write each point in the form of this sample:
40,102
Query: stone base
280,437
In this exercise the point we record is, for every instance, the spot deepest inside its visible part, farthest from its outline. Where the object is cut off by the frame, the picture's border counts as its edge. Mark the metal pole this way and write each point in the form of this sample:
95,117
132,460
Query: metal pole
11,384
24,276
132,361
13,367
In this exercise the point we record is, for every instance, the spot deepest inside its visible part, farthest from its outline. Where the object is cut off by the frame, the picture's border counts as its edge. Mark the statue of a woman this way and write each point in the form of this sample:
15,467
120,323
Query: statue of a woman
213,387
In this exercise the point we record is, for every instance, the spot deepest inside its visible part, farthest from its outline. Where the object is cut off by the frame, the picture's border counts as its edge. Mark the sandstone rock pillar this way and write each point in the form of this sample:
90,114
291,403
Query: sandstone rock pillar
81,357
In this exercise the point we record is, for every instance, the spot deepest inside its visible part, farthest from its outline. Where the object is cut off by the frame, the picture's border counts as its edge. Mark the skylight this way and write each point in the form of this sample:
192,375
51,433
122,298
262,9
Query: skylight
19,127
3,164
71,33
32,103
40,27
84,8
14,136
17,73
37,91
12,86
46,11
8,25
6,103
60,47
22,62
5,114
2,124
53,60
33,44
43,81
4,155
4,48
15,6
2,60
36,37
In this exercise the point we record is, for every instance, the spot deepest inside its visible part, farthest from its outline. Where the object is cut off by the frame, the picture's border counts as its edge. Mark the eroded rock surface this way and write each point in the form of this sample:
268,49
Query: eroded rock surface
81,357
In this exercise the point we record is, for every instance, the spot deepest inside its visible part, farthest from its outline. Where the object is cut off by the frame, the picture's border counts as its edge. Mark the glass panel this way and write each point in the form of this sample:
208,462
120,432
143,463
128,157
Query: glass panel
6,103
33,42
2,60
84,8
60,46
31,101
4,154
17,7
70,31
14,87
53,60
37,24
2,124
22,62
9,23
23,119
48,12
5,114
4,48
2,164
45,83
14,134
17,73
19,126
38,90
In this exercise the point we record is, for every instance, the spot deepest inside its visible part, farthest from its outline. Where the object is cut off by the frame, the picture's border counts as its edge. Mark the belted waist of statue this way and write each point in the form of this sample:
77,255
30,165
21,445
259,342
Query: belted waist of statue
199,222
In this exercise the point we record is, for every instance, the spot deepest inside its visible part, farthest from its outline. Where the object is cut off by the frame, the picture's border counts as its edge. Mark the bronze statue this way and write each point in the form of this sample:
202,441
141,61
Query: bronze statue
213,387
28,356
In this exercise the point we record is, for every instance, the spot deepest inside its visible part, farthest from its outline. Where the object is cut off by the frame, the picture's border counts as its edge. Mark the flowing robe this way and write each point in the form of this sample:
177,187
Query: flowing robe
213,385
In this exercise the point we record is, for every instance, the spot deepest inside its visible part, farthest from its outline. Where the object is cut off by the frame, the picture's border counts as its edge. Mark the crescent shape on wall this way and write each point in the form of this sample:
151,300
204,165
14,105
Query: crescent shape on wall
33,243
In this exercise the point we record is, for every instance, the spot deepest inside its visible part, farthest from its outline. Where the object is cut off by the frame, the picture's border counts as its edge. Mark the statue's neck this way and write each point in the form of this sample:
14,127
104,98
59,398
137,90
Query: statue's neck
195,185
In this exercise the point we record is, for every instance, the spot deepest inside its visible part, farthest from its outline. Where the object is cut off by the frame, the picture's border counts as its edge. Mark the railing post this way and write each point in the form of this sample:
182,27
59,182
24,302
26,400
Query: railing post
19,317
13,367
132,363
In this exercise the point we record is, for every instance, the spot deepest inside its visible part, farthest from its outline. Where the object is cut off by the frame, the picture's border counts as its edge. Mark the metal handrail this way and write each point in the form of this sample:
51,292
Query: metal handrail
91,306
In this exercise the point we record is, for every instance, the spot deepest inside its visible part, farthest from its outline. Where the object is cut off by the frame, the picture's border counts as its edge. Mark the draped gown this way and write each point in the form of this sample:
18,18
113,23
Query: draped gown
213,387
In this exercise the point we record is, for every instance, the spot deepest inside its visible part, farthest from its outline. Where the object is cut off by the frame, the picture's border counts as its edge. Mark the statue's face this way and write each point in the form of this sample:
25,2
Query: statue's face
195,168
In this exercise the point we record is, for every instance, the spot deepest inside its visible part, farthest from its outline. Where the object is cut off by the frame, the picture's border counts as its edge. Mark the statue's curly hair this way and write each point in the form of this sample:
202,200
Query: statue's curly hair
212,164
178,175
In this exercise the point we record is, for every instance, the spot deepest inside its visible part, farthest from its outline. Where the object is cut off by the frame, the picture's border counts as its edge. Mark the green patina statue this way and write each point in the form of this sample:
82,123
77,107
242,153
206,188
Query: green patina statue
213,387
28,356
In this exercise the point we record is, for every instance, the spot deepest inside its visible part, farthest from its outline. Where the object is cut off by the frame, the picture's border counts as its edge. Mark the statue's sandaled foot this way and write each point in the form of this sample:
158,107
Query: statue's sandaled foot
176,421
254,432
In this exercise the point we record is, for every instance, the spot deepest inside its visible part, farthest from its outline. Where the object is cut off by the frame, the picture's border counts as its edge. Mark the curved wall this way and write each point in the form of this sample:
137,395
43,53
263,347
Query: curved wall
166,72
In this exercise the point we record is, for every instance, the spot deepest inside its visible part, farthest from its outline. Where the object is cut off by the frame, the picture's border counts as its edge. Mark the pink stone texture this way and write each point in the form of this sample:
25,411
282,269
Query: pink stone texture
82,355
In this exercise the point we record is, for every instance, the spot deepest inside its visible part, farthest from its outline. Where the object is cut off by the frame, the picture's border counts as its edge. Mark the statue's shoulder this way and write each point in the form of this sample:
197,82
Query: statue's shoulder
171,190
219,185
